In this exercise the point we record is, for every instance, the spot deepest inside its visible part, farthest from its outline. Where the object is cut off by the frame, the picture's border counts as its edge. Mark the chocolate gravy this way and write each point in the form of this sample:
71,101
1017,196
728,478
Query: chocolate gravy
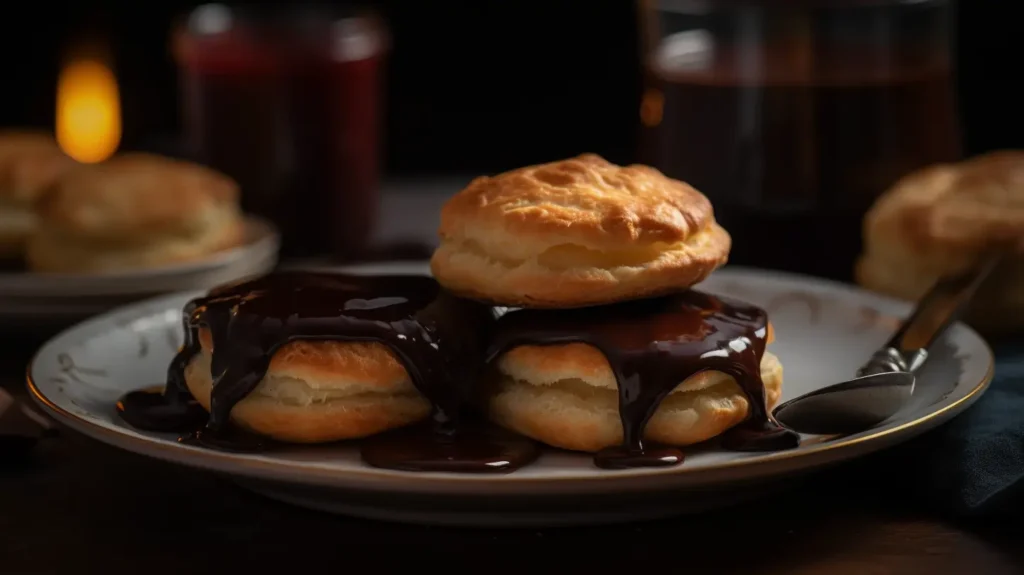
476,446
437,337
652,345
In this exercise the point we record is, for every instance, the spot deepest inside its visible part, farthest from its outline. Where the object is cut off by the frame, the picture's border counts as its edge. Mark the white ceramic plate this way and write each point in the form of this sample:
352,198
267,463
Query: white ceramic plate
824,331
45,299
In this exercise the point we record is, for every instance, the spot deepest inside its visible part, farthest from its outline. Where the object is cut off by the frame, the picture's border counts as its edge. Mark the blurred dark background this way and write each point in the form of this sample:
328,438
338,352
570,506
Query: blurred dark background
468,83
471,86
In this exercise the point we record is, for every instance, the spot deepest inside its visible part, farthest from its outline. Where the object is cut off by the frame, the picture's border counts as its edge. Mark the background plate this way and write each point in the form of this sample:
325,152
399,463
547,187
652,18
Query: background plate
42,300
824,331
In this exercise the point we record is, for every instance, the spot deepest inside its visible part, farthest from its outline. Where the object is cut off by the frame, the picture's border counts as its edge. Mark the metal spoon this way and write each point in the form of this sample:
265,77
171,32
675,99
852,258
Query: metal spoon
886,382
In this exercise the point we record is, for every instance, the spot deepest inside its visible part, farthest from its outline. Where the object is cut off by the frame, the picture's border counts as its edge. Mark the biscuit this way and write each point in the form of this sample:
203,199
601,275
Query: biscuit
134,211
566,396
30,162
941,220
575,233
320,391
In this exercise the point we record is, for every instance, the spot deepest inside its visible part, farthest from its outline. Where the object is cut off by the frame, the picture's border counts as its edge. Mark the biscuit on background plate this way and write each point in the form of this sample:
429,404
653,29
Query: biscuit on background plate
30,162
941,220
134,211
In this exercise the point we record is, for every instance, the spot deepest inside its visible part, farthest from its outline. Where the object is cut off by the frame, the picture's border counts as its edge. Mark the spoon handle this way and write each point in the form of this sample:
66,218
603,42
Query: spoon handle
907,349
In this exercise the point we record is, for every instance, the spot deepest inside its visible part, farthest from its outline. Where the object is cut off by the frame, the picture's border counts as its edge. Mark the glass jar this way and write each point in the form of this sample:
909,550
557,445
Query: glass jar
794,115
288,103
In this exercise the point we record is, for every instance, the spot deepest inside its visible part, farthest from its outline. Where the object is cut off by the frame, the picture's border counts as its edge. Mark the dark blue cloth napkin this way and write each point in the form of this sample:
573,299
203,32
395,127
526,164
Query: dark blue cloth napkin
974,465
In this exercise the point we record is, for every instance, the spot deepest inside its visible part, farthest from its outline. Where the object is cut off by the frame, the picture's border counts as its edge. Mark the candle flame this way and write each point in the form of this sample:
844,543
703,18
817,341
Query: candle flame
88,111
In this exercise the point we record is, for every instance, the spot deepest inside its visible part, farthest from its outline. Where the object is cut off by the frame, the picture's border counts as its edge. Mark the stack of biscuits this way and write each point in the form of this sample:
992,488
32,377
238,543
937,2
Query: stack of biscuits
579,233
584,233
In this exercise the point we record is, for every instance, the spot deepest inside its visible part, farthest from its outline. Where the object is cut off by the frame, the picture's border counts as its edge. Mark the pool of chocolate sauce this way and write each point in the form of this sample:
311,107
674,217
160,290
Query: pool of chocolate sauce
445,343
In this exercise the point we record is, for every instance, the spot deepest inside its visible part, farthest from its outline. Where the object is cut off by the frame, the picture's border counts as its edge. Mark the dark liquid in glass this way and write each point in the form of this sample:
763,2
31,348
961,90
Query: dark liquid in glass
296,126
793,164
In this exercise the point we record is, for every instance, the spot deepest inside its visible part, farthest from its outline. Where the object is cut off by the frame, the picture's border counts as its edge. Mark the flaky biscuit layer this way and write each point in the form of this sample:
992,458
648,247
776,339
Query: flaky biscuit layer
566,396
576,232
321,391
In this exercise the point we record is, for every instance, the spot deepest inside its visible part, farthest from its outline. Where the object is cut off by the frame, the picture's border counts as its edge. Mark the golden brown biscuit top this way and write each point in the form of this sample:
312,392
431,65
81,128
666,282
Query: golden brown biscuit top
974,204
29,163
588,198
138,194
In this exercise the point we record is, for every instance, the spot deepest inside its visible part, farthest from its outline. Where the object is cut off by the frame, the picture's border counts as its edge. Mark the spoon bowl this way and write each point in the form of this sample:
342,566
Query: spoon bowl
848,407
886,382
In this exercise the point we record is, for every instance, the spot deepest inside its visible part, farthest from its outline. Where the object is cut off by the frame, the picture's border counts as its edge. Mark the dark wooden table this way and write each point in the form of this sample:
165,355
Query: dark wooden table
78,506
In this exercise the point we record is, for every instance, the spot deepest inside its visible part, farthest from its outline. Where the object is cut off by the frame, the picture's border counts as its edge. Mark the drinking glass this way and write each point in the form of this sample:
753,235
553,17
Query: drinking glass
794,115
287,101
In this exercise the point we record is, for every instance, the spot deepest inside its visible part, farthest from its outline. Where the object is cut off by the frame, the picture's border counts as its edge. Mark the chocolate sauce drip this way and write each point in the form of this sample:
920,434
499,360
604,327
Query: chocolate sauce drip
152,410
652,346
437,337
476,446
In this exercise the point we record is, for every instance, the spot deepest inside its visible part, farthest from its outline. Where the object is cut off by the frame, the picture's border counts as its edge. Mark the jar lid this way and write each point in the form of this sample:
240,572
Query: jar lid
217,37
256,38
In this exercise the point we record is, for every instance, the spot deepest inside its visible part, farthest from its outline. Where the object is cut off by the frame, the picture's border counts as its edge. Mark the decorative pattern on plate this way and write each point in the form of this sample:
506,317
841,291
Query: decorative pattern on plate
74,372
